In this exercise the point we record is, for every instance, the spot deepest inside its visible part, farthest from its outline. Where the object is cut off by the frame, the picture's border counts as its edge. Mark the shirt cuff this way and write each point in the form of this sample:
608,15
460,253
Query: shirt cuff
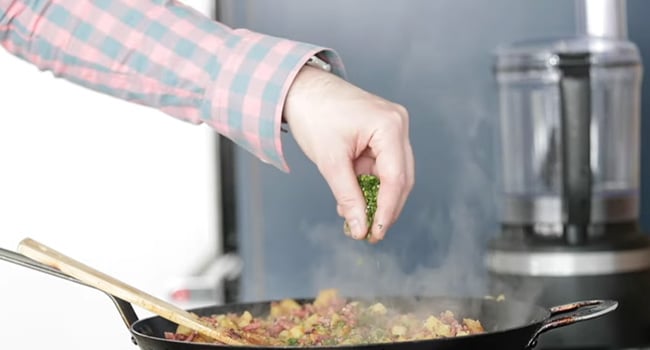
247,98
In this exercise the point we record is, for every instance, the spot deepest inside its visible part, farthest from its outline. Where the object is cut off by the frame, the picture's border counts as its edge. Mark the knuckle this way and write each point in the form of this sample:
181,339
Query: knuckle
399,182
410,183
345,202
401,111
396,118
400,179
391,124
339,210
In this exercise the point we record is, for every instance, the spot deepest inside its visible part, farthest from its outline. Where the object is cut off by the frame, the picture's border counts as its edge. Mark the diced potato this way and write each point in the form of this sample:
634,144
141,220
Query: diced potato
398,330
437,327
326,297
284,307
245,319
473,325
289,304
335,319
276,310
312,320
378,309
183,330
296,331
226,322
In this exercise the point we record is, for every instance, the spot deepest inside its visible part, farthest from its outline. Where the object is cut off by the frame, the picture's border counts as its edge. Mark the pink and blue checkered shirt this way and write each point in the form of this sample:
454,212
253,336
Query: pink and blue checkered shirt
163,54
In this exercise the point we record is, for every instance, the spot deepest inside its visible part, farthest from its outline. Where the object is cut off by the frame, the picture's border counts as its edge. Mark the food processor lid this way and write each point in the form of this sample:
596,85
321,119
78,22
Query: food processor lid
546,53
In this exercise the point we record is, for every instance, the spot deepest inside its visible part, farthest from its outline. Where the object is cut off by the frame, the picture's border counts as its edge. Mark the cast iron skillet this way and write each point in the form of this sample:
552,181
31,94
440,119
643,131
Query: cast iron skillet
509,324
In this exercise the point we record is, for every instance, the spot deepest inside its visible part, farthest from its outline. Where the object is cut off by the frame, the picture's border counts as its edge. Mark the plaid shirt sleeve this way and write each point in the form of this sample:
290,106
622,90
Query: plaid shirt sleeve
165,55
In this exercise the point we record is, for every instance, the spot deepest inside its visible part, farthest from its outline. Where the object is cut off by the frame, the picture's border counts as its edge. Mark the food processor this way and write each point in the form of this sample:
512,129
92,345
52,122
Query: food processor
570,147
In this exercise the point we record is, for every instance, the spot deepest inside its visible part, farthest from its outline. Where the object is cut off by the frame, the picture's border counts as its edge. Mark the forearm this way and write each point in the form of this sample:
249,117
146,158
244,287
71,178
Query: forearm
164,55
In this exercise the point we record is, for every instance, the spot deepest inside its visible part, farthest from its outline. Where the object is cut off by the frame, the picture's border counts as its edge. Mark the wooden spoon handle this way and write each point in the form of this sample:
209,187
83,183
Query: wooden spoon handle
110,285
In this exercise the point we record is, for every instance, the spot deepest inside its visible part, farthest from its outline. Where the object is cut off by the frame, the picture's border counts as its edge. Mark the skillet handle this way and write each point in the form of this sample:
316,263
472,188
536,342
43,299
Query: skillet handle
564,315
125,309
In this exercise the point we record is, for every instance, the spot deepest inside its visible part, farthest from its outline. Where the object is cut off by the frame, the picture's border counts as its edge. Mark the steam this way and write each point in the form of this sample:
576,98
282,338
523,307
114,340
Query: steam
357,268
360,269
365,271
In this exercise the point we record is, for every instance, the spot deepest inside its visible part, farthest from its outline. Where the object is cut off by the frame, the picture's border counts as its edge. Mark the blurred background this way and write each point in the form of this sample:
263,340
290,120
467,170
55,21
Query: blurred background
182,213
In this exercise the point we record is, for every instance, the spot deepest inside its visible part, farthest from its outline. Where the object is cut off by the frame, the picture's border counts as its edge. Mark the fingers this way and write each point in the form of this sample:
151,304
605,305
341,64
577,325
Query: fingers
396,171
410,165
393,183
350,202
410,177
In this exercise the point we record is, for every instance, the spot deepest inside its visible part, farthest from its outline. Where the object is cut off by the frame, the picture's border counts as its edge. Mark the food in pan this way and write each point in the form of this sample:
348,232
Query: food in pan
333,320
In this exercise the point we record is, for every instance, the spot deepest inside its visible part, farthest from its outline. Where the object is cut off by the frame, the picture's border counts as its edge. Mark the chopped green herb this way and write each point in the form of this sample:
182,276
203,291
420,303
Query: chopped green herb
370,188
292,341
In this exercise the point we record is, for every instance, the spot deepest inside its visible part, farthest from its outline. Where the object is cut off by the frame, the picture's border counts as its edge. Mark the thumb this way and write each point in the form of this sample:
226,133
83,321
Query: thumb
351,205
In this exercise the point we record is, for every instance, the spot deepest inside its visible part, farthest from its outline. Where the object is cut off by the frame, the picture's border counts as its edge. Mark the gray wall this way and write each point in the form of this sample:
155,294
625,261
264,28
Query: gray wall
435,58
639,32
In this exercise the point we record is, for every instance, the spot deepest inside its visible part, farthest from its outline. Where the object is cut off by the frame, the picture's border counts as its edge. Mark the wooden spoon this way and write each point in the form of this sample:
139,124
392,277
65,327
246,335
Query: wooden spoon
112,286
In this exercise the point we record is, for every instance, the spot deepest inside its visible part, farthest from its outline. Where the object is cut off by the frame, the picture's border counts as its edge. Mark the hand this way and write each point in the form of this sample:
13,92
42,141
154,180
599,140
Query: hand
347,131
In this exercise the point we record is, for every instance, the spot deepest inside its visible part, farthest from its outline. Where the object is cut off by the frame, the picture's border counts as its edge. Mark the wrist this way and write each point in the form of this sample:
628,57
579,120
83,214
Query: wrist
302,93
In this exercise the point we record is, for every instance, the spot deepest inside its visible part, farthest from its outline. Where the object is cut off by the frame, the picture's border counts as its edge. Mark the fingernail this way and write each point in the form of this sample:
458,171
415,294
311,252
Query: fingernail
378,232
356,228
346,229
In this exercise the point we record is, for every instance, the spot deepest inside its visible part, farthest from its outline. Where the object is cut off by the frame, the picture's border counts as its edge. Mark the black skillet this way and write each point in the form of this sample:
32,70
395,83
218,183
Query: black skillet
509,324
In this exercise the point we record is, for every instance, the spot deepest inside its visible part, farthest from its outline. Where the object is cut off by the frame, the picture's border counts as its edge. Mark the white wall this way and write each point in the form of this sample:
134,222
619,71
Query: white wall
121,187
